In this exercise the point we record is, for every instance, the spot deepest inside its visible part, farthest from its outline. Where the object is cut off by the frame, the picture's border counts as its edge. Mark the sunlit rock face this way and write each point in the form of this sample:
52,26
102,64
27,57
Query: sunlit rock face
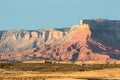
97,39
19,40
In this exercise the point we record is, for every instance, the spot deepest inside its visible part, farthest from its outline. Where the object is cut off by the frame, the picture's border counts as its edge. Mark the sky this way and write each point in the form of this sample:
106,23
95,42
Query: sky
39,14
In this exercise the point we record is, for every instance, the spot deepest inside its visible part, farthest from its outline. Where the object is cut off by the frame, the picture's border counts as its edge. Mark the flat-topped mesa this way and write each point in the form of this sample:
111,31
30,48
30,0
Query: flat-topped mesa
12,41
97,39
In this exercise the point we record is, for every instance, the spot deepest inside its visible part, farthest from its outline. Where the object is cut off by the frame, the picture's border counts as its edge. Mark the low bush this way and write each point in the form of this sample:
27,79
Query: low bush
49,67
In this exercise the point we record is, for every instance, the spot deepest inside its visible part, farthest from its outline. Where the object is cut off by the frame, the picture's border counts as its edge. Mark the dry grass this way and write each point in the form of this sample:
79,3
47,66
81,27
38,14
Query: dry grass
79,62
37,71
30,75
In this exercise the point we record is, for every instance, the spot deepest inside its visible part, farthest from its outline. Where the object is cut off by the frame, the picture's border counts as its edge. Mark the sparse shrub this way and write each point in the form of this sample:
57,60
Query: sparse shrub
6,65
49,67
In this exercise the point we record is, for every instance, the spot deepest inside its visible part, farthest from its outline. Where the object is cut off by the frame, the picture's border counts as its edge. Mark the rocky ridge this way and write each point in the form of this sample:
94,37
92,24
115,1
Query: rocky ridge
18,40
97,39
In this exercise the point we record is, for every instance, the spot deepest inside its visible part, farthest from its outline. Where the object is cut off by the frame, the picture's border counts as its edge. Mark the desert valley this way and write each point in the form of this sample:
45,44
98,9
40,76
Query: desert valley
90,47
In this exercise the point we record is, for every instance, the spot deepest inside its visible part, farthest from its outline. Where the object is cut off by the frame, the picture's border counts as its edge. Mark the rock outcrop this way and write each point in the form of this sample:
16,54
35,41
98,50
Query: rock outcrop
18,40
97,39
74,46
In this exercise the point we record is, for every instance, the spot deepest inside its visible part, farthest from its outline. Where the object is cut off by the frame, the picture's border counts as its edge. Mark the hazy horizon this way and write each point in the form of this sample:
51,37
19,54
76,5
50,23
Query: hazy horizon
39,14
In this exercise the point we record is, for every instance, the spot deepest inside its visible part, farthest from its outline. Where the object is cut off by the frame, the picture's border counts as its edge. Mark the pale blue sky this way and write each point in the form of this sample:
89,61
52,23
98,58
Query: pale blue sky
36,14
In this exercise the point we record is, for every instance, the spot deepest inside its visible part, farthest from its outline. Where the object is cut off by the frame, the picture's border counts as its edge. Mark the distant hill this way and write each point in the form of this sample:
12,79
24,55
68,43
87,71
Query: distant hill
97,39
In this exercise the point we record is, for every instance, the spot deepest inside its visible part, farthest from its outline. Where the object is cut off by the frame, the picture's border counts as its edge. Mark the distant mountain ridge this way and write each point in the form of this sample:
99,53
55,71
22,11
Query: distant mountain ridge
97,39
19,40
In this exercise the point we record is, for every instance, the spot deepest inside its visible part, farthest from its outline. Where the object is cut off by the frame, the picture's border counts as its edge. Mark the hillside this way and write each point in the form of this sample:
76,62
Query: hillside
97,39
18,40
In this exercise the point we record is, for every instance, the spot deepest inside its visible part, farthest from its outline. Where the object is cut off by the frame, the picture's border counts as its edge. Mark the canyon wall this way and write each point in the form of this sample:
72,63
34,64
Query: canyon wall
19,40
97,39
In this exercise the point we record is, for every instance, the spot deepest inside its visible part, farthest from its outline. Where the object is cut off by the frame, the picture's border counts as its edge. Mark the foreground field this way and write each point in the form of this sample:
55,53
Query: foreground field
29,71
36,75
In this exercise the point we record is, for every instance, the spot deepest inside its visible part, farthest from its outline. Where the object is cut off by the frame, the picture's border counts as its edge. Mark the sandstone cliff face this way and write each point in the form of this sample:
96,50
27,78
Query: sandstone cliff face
109,30
74,46
90,40
19,40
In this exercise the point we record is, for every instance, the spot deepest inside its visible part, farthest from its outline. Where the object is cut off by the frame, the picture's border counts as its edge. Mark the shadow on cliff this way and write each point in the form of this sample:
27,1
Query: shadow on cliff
34,44
114,56
104,33
75,56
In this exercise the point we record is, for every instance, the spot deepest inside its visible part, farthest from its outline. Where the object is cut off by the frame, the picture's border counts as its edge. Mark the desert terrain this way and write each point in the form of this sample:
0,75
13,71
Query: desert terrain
50,71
